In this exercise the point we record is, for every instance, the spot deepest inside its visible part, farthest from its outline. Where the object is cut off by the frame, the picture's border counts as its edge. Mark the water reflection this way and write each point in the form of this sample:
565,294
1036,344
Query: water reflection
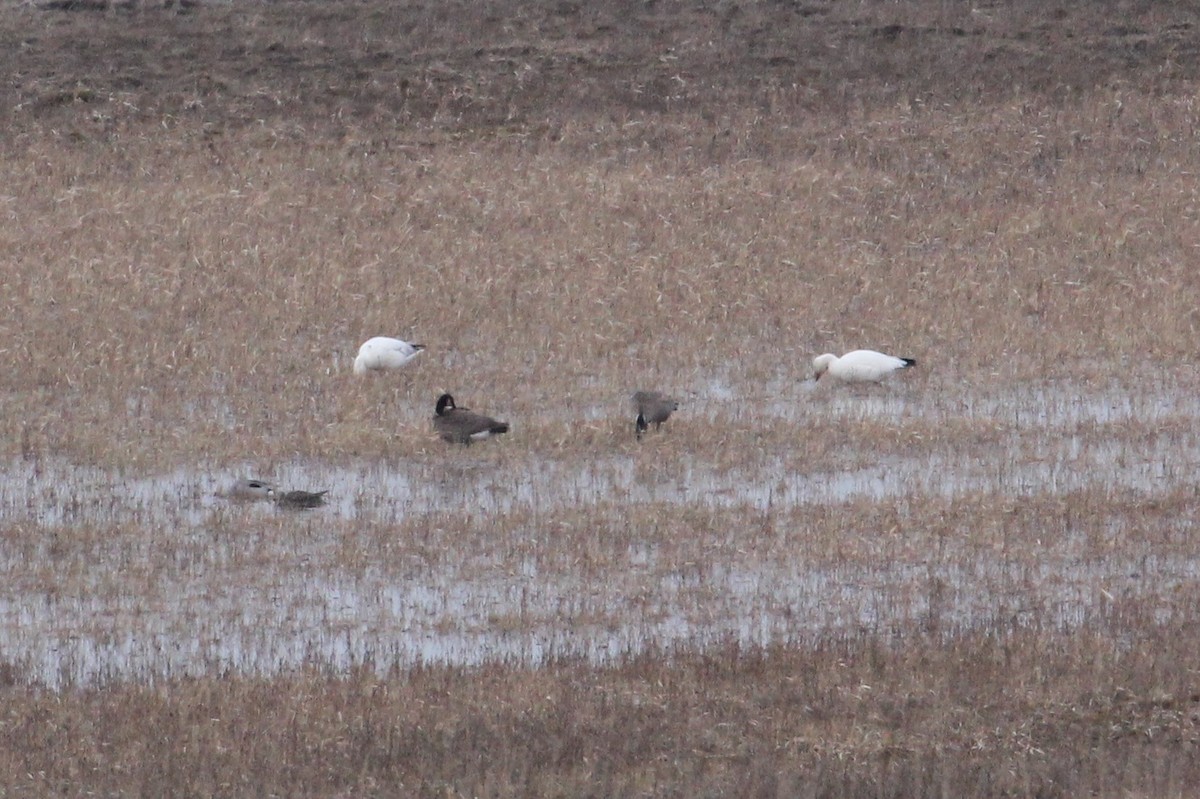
185,582
369,622
56,493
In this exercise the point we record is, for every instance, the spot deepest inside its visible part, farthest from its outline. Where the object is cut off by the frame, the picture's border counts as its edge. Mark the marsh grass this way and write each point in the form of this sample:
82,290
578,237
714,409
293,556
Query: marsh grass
214,315
1000,714
1011,645
207,208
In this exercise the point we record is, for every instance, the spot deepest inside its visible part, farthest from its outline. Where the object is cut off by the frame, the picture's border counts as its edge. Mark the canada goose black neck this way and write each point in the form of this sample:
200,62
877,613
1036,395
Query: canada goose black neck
462,425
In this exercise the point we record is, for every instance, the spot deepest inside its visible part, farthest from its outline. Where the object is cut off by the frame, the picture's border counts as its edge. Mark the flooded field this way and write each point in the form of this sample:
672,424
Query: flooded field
468,555
978,579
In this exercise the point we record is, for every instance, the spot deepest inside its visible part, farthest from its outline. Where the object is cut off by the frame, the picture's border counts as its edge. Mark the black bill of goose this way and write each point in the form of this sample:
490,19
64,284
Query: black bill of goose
248,490
298,500
462,425
653,408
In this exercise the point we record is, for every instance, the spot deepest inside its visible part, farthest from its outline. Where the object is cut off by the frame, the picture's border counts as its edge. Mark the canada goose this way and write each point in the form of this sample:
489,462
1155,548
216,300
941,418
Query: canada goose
248,490
298,500
860,366
381,353
462,425
653,408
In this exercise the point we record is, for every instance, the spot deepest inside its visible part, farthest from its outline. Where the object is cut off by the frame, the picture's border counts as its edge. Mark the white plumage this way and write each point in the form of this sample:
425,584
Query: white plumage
859,366
382,352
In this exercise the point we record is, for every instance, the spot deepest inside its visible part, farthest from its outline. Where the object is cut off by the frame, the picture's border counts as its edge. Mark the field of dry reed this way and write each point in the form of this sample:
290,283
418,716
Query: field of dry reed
979,579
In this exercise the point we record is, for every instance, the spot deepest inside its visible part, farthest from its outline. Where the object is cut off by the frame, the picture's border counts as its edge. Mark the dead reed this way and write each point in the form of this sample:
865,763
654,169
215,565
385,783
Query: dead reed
975,581
175,297
1015,712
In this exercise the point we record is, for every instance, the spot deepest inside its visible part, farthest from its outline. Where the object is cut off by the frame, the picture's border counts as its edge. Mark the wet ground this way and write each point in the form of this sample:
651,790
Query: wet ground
464,555
456,558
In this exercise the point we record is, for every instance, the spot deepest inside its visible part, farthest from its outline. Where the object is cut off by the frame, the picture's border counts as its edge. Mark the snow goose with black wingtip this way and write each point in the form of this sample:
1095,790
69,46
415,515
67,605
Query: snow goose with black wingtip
859,366
382,353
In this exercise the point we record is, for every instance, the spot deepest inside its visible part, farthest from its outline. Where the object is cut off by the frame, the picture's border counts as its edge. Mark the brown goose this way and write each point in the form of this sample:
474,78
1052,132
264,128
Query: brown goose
462,425
653,408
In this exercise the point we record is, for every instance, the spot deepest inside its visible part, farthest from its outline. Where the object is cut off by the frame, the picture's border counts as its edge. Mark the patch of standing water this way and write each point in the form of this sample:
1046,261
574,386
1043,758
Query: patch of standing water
202,610
53,494
340,622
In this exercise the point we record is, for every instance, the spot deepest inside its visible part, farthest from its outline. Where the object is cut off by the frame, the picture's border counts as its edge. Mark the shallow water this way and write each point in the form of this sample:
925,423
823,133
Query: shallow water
180,580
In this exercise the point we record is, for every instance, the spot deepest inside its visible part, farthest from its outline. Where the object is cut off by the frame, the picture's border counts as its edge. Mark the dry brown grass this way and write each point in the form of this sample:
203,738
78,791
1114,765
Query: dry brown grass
212,311
204,293
207,208
992,645
1016,712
